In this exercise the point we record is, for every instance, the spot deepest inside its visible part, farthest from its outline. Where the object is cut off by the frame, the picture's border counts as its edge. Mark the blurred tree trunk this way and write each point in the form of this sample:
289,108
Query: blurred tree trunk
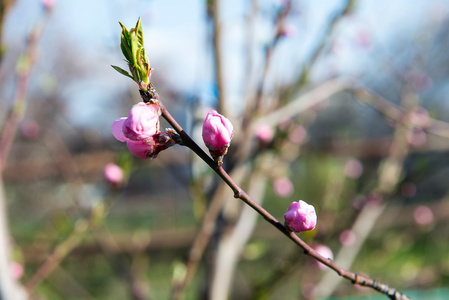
233,241
9,288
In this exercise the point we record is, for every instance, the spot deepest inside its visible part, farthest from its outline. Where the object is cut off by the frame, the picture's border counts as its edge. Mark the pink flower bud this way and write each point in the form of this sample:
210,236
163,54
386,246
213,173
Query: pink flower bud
363,39
113,173
48,4
348,238
30,129
353,168
217,134
300,216
423,215
141,132
298,135
16,270
150,147
140,149
264,133
416,137
142,122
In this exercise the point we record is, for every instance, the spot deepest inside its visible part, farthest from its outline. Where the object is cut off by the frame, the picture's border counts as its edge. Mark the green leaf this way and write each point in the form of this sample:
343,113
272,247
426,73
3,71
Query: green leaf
139,32
125,43
121,71
132,46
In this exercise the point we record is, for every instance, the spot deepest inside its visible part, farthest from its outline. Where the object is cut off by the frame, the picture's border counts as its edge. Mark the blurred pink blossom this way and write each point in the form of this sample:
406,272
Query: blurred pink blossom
363,39
16,270
48,3
416,137
421,82
30,129
264,133
113,173
419,117
423,215
323,251
353,168
298,135
337,47
300,216
217,134
309,290
284,124
283,187
374,199
347,238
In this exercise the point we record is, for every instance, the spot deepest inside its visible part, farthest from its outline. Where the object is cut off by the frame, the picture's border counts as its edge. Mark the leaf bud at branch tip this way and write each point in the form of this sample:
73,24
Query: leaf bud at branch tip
133,49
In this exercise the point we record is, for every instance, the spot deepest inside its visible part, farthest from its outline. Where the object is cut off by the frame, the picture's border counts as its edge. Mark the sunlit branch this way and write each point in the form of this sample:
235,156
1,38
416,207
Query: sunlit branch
241,194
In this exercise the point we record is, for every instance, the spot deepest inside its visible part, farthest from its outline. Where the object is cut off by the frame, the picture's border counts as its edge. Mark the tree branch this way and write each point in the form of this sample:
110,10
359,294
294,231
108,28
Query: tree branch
242,195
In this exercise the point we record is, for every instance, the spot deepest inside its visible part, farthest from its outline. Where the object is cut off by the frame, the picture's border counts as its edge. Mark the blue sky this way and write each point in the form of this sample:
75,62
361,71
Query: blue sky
176,38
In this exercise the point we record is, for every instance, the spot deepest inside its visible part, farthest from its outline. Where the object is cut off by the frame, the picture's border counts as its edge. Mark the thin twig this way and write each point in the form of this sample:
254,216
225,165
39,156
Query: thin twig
218,57
295,107
241,194
320,45
20,94
396,113
60,252
303,102
254,106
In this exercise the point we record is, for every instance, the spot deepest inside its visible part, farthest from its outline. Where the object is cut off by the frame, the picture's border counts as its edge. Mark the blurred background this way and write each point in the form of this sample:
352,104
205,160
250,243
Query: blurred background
343,104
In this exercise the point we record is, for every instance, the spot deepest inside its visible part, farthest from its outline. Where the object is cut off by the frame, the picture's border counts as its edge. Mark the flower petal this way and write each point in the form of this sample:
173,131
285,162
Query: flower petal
140,149
142,122
117,129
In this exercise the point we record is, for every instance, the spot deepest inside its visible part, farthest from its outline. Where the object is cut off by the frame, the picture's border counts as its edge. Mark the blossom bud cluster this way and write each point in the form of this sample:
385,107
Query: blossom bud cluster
140,131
